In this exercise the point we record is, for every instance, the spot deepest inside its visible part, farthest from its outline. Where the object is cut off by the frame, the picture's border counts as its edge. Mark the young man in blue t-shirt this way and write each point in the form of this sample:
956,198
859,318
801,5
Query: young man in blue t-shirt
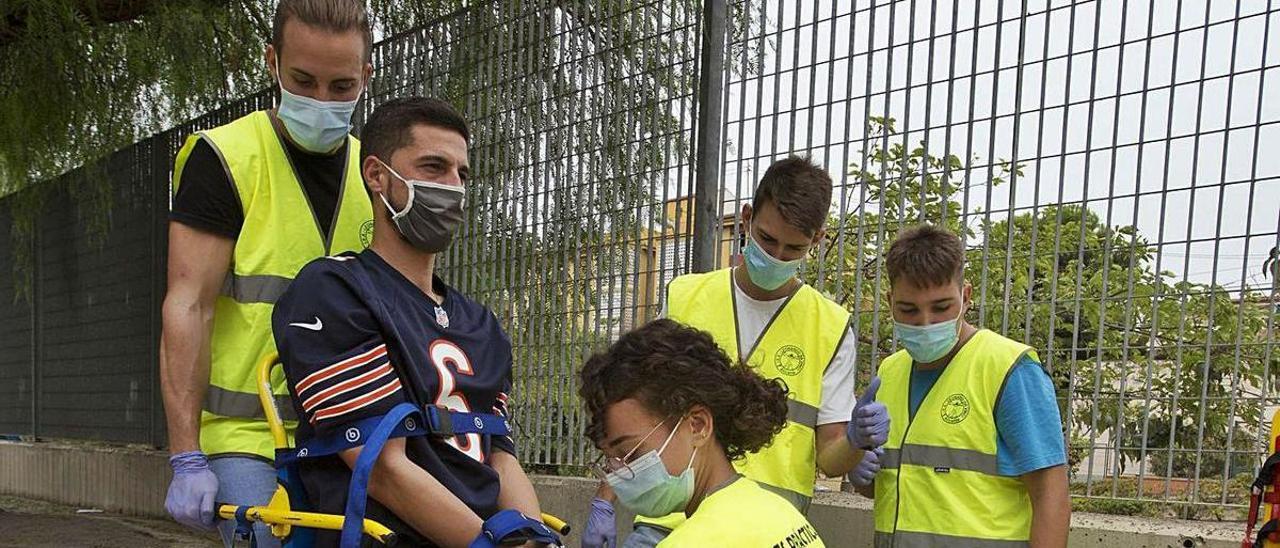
975,450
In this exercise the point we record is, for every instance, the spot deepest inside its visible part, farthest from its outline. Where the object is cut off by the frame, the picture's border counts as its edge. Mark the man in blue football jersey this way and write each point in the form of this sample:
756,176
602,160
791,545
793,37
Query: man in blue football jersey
360,333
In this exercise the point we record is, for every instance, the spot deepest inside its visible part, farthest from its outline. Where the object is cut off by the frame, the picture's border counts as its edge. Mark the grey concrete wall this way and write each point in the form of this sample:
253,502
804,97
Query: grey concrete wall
130,481
126,481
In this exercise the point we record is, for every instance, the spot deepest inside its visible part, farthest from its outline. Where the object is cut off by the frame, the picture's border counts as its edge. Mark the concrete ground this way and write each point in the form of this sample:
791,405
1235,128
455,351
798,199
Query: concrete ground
31,523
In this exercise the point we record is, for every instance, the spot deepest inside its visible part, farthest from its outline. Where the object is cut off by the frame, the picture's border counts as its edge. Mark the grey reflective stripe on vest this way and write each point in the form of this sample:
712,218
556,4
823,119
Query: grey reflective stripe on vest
915,539
940,457
801,502
802,413
243,405
255,289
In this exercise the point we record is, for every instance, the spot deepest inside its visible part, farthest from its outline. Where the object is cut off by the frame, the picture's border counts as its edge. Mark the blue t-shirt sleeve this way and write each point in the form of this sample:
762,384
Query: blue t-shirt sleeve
1028,423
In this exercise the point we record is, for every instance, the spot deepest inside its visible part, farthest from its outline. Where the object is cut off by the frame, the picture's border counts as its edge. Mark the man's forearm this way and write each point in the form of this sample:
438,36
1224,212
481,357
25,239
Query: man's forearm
1050,507
516,491
1050,522
835,457
416,497
184,371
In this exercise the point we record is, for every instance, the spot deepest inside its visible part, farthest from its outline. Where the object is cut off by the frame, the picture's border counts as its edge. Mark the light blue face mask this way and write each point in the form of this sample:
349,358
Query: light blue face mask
765,271
928,343
652,491
317,126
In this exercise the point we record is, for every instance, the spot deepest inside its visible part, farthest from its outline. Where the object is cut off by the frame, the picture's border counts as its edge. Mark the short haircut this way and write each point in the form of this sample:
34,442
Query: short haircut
390,126
338,16
670,368
799,189
926,256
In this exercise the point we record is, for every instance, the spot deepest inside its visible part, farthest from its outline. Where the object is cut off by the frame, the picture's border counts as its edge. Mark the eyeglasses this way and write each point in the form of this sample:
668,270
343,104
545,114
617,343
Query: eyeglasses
604,466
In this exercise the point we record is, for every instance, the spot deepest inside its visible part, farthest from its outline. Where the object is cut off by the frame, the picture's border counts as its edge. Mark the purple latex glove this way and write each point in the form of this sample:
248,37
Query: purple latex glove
601,531
190,499
865,472
869,425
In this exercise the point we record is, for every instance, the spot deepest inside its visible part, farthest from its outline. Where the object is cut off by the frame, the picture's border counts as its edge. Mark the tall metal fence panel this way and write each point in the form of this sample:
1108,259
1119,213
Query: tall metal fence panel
581,120
82,286
17,383
1106,163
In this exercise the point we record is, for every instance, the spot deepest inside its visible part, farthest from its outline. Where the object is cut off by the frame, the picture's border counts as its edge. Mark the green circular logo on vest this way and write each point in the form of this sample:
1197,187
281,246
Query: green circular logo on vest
366,233
955,409
789,359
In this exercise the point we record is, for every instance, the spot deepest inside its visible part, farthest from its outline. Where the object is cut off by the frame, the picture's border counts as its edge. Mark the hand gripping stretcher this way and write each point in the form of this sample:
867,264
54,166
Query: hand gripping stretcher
287,518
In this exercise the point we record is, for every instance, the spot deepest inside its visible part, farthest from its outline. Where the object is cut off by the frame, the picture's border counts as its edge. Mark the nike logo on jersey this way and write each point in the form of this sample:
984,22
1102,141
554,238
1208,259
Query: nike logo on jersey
315,326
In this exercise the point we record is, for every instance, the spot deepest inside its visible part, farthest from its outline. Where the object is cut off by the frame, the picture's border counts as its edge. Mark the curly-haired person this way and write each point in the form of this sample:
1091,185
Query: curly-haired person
670,411
761,313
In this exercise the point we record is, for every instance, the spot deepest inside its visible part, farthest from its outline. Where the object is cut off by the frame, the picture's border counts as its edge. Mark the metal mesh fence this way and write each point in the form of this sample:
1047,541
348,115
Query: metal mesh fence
581,127
1106,162
81,290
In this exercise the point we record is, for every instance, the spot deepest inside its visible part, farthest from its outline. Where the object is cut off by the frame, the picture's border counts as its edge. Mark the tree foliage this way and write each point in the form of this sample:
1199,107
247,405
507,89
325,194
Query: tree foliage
1160,366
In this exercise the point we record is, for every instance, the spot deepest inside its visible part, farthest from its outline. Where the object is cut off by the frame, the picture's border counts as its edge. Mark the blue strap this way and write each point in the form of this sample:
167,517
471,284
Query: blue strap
438,421
509,523
446,422
358,490
244,526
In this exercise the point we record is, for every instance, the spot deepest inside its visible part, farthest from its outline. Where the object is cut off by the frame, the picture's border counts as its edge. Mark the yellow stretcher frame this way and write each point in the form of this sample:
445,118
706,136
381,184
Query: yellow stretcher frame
278,514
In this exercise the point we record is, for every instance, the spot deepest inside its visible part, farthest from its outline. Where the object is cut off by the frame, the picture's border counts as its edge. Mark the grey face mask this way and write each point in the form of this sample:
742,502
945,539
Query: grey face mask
432,214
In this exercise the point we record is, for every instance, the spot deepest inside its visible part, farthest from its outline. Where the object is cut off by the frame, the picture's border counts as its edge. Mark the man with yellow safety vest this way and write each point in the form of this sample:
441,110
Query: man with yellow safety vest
255,200
761,313
975,455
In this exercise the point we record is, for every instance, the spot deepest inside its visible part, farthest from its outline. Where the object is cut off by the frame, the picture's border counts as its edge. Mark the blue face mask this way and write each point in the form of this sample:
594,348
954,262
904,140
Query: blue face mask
650,490
765,271
317,126
929,343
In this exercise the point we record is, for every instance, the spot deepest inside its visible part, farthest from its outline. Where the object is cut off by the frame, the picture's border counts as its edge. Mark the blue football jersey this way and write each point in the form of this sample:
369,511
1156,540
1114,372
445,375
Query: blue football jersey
357,338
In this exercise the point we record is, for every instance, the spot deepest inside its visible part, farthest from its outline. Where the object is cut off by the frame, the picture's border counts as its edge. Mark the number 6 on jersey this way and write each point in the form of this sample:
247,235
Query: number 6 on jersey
444,353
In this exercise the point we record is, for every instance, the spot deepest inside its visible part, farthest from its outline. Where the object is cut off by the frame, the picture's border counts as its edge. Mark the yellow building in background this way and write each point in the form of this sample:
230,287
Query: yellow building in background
621,281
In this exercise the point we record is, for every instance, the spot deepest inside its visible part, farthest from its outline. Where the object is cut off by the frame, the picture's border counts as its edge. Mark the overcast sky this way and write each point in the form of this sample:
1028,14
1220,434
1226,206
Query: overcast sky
1223,185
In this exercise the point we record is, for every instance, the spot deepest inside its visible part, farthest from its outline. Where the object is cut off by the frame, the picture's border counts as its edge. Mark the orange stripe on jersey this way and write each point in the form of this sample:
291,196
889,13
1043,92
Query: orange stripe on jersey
358,403
341,367
346,386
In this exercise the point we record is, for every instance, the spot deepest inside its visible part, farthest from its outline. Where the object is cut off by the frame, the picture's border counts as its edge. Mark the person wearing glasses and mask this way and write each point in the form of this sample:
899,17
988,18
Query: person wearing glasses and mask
255,200
975,455
761,313
670,412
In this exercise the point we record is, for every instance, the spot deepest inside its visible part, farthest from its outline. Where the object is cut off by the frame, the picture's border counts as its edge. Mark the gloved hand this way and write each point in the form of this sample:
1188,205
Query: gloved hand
865,472
511,528
190,498
869,425
601,531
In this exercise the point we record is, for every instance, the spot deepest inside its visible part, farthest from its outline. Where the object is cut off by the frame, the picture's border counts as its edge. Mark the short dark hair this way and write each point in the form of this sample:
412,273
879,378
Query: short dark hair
390,126
669,368
799,189
926,256
332,15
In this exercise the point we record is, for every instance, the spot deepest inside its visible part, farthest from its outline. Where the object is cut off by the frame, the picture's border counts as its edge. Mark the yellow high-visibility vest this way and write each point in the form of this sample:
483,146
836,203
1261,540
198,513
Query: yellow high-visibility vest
797,346
744,515
939,484
280,235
